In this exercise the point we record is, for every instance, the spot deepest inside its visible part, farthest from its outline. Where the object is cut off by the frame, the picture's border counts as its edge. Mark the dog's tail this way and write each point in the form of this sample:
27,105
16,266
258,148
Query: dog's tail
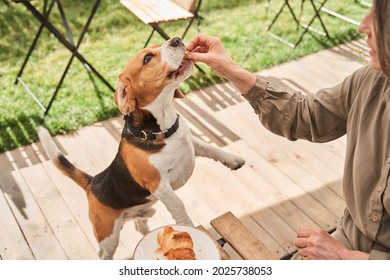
59,160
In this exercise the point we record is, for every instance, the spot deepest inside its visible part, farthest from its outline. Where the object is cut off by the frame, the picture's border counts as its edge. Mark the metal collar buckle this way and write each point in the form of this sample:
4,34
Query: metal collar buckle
156,135
144,135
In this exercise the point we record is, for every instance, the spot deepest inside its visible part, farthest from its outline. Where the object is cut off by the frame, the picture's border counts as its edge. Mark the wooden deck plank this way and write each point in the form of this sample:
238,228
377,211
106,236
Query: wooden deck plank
337,147
13,245
275,227
214,184
311,163
72,194
199,215
292,211
74,197
261,193
33,223
278,152
267,239
262,164
60,218
306,73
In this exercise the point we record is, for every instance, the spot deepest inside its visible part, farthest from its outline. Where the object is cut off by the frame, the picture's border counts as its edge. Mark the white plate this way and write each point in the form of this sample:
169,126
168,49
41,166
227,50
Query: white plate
204,246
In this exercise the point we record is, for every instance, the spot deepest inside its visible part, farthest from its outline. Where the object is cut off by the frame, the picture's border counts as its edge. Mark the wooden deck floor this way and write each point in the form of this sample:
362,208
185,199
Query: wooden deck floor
284,185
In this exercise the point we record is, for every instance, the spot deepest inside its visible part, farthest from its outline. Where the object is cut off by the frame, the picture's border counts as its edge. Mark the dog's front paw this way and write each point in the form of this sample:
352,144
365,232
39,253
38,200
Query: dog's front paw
233,162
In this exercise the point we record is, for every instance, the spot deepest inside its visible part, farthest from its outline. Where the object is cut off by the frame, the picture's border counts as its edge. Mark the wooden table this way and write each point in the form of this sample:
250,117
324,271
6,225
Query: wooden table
244,242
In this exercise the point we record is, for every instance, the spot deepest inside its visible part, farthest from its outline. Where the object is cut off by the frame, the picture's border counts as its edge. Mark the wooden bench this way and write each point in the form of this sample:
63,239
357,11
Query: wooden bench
154,12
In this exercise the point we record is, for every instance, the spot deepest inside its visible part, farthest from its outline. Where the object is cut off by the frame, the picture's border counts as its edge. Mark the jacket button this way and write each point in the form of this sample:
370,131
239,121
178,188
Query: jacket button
374,218
379,188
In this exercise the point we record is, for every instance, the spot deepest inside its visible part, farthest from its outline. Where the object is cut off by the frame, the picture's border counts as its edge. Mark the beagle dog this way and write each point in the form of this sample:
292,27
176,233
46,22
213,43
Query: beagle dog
156,154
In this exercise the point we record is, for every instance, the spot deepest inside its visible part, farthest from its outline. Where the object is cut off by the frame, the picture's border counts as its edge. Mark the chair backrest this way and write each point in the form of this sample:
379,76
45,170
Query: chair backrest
188,5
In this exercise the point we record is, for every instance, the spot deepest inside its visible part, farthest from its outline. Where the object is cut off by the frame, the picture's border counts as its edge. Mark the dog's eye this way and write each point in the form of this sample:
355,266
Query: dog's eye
148,57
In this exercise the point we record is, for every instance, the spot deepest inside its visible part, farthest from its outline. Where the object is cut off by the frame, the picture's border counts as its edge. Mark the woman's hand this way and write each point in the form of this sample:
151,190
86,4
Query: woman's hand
209,50
316,244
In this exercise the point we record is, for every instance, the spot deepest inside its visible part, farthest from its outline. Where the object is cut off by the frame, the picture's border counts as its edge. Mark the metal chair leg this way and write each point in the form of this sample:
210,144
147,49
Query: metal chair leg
150,37
53,97
32,47
306,27
68,44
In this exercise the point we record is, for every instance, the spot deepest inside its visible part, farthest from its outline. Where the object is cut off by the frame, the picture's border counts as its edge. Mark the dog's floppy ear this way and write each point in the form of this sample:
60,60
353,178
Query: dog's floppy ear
124,99
178,94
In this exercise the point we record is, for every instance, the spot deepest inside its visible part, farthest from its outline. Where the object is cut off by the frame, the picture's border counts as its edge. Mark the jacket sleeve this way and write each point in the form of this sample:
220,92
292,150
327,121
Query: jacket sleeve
379,252
319,117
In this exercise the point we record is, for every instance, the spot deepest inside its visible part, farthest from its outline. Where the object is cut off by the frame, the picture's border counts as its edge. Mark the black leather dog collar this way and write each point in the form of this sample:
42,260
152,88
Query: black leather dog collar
158,135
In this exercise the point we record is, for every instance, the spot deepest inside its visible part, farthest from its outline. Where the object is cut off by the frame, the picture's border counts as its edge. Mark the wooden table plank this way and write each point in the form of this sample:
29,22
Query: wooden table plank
240,238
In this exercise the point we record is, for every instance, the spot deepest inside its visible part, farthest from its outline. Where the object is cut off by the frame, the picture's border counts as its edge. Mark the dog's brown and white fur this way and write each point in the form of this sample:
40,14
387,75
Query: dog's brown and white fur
143,170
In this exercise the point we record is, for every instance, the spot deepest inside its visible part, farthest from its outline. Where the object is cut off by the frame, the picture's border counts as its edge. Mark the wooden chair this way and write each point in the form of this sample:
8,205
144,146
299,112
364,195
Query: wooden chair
154,12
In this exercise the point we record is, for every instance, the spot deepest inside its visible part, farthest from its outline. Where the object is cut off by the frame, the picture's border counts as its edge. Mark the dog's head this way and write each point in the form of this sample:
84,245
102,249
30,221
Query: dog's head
151,72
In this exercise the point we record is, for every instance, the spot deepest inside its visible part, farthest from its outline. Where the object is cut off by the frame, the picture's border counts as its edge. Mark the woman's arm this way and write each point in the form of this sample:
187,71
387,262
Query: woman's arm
316,117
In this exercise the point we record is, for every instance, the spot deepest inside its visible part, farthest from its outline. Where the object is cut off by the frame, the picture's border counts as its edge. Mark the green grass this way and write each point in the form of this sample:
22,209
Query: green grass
113,37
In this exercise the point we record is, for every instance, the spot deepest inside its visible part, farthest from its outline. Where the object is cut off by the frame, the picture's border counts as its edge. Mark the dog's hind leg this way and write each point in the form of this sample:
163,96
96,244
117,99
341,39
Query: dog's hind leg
108,245
106,223
204,149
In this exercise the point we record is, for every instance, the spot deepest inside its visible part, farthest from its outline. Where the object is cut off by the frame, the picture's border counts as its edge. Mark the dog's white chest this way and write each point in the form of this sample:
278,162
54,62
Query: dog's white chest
176,160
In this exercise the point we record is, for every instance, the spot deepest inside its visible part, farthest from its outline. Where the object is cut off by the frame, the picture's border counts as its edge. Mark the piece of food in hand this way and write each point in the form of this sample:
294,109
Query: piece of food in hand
176,245
187,55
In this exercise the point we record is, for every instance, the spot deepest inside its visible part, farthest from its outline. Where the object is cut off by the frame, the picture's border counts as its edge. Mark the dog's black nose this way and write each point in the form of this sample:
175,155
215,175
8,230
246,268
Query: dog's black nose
175,42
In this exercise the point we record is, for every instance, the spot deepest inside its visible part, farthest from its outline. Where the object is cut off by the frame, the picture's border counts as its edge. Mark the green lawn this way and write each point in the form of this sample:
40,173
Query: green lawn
114,36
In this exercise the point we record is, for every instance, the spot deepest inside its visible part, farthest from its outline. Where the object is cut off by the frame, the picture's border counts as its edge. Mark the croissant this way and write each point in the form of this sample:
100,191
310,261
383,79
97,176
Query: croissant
176,245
